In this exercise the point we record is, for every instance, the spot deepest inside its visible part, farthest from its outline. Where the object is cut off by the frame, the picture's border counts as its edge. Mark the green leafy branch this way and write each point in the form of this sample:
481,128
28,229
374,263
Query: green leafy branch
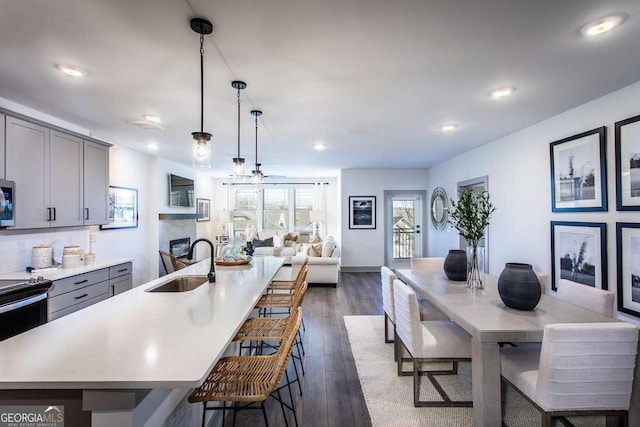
471,215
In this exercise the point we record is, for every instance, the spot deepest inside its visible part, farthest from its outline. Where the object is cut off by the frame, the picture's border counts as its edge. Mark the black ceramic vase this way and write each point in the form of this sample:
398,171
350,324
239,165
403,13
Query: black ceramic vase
455,265
249,249
519,287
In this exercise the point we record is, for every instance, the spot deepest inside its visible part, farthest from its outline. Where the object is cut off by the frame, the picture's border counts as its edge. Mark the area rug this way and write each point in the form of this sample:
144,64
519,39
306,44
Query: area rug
389,398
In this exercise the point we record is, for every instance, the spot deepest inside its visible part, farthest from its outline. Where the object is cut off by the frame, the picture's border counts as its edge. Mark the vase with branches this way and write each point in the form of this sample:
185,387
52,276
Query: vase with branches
470,216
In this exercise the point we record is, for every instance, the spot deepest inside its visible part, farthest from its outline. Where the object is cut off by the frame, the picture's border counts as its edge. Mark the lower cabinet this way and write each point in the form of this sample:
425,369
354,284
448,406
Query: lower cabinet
77,292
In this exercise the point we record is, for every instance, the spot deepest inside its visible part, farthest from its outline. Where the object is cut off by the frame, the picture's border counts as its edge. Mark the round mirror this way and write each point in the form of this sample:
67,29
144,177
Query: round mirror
439,208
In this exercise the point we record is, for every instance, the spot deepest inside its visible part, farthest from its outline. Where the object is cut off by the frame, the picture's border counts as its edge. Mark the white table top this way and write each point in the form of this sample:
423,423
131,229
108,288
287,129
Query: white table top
483,314
139,339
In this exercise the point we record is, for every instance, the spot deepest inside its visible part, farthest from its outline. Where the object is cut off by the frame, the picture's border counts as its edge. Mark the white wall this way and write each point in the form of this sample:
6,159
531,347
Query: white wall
519,183
365,248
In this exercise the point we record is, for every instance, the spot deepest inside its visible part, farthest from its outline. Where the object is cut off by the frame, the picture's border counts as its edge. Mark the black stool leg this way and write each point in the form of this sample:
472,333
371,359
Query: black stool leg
264,414
204,412
286,423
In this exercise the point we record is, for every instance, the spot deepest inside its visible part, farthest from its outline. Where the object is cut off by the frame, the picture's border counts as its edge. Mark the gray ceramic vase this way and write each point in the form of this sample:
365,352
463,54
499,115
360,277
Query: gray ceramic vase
455,265
519,287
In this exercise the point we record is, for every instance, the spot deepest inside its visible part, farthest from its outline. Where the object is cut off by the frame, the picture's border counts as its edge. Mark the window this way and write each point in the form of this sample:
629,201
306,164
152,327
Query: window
245,208
304,205
276,209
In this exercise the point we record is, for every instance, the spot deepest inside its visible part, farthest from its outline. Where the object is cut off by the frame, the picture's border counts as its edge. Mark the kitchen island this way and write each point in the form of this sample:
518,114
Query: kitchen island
122,351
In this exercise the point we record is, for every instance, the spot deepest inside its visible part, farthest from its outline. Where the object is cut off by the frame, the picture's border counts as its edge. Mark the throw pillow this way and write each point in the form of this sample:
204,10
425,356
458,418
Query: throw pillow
290,239
259,243
316,239
315,250
327,248
277,241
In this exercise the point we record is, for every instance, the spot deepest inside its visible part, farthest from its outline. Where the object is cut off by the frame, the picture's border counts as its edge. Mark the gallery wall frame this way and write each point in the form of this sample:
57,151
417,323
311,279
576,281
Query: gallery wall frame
362,212
203,210
627,140
579,172
122,208
628,260
578,253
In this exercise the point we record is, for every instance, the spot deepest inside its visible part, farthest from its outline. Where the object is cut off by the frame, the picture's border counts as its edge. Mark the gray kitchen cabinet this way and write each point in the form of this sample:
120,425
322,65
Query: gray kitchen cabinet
66,183
120,278
96,183
2,173
61,180
27,163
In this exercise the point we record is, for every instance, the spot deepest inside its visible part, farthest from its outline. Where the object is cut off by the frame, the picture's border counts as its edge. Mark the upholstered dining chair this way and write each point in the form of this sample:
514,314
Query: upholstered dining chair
428,341
582,369
170,263
386,279
594,299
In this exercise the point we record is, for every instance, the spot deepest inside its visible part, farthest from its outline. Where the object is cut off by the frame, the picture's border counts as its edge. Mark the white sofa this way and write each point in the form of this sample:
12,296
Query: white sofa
323,270
292,248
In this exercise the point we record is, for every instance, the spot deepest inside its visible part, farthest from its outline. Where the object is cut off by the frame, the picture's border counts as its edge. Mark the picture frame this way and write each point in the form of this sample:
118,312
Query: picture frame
627,135
579,253
628,260
224,239
362,212
122,208
203,210
579,172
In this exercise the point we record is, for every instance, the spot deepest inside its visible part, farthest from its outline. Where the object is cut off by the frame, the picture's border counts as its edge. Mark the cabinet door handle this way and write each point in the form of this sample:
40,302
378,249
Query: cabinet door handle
122,271
81,281
48,214
86,213
54,214
81,296
113,290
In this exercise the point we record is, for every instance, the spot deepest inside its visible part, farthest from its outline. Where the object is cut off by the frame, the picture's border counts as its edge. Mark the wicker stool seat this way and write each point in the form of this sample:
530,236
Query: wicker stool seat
288,285
250,379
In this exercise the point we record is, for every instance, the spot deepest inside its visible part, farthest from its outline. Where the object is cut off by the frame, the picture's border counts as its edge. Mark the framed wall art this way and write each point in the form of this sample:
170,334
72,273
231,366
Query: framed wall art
579,172
362,212
122,208
628,164
628,252
203,208
578,253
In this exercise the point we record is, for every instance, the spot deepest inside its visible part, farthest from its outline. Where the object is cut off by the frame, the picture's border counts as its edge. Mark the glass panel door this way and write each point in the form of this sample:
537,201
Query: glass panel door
406,240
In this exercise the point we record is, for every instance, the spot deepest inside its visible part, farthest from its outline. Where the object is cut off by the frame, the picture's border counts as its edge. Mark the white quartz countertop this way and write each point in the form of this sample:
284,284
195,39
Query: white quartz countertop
138,339
62,273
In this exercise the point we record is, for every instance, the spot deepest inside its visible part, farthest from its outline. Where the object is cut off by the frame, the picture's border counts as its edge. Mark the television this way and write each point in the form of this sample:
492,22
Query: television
181,191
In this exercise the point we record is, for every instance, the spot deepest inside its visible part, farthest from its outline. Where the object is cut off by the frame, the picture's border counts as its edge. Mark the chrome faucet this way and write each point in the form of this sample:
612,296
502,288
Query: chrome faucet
212,271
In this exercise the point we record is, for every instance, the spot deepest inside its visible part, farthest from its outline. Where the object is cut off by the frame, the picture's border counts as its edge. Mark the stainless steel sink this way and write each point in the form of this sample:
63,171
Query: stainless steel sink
180,284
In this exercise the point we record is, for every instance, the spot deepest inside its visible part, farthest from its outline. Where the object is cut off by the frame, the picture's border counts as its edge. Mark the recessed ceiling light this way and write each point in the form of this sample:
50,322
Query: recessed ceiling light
152,146
603,25
319,147
449,127
501,92
151,118
72,71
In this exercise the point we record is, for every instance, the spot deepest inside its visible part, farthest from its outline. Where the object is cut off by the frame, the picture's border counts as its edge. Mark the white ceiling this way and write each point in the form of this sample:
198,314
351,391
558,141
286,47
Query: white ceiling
372,79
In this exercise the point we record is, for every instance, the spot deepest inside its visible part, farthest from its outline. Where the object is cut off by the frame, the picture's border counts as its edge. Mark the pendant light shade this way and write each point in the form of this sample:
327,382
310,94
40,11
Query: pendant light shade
256,174
238,169
201,140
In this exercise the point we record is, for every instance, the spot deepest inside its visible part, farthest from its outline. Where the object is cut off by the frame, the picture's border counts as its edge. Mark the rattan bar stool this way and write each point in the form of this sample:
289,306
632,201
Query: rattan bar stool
250,380
280,300
263,330
288,285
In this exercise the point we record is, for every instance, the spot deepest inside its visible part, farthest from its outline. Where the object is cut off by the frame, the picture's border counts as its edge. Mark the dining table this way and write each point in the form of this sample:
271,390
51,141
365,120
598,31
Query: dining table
485,317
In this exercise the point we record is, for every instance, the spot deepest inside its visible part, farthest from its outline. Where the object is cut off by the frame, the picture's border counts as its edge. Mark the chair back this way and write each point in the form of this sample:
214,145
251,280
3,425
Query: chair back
588,297
586,366
386,279
168,261
408,326
298,296
430,265
286,347
301,277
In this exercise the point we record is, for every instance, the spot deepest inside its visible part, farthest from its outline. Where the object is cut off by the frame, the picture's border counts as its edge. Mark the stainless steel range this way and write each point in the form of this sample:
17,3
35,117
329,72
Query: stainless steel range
23,306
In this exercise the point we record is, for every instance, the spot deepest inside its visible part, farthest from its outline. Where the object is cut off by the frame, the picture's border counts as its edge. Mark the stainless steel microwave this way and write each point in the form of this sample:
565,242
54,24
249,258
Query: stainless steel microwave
7,203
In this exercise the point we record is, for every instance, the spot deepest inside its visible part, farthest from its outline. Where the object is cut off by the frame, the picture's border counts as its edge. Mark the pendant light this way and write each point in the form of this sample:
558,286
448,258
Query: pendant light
256,175
238,169
202,139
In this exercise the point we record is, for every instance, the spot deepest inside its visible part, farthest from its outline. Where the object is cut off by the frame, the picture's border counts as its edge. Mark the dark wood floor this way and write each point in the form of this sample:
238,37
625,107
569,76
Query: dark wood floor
331,391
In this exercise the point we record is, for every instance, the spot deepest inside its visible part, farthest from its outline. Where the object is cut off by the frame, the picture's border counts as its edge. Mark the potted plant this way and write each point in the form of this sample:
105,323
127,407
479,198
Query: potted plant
470,216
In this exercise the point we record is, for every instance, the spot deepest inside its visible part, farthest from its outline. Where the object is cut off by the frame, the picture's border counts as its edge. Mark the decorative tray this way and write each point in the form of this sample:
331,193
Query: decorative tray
239,261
